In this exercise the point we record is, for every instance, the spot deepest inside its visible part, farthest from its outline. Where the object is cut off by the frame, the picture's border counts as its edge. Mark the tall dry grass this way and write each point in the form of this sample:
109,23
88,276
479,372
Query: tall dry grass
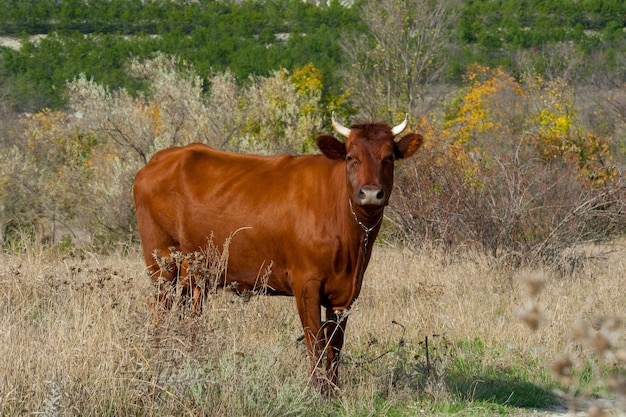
77,336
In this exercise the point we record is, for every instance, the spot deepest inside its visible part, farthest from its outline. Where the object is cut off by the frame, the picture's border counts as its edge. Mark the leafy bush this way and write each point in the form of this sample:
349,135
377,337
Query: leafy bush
507,164
75,171
507,167
44,176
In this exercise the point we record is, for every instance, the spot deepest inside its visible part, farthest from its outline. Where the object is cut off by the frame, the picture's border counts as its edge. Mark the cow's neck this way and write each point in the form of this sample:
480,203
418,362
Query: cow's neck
364,227
369,223
370,231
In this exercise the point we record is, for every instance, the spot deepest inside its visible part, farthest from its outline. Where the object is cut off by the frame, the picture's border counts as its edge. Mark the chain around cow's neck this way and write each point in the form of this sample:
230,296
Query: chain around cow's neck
367,231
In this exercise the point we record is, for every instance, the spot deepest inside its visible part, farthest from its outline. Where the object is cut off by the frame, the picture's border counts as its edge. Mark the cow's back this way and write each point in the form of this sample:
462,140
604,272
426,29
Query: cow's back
276,210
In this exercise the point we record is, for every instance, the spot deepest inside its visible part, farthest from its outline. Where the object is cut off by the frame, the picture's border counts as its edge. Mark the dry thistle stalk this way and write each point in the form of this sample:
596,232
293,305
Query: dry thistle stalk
596,410
532,315
163,263
534,281
611,324
580,330
602,335
617,384
601,342
620,355
605,338
562,368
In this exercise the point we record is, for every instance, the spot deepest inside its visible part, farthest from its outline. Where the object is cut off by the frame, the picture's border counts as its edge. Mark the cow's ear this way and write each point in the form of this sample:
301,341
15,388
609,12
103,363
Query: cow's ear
331,147
407,146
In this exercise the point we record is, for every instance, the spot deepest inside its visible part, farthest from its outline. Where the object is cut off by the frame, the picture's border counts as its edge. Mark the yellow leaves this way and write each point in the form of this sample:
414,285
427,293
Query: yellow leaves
283,112
494,109
589,154
550,146
154,115
46,124
556,108
474,113
53,145
562,124
592,155
555,122
307,80
309,84
559,138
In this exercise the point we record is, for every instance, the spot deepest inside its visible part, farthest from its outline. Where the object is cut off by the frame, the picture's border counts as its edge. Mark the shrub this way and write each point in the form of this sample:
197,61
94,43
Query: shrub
508,168
43,179
77,169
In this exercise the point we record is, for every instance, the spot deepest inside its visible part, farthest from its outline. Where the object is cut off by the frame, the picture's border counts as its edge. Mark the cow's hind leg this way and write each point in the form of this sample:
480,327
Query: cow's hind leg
191,290
156,245
163,273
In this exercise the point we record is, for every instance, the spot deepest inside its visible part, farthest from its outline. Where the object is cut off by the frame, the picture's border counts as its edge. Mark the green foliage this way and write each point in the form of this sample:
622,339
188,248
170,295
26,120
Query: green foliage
259,37
493,32
248,38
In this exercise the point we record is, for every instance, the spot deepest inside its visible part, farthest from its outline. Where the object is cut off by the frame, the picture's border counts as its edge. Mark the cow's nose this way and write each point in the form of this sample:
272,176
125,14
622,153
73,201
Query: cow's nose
372,197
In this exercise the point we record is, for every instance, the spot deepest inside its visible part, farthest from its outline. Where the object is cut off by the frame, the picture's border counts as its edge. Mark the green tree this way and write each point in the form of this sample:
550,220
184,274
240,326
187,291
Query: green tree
405,49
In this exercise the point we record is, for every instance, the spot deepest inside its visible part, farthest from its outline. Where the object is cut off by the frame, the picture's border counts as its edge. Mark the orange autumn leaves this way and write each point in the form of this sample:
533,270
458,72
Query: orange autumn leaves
494,110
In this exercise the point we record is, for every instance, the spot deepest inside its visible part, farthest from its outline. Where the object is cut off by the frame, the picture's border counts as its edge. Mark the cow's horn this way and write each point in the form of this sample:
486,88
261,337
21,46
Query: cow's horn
400,128
341,129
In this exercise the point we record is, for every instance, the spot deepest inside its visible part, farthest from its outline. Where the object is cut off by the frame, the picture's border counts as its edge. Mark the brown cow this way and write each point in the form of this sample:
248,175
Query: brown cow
313,217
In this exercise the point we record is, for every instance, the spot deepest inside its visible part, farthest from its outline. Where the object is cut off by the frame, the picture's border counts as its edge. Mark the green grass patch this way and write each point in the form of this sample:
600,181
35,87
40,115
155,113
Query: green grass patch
477,374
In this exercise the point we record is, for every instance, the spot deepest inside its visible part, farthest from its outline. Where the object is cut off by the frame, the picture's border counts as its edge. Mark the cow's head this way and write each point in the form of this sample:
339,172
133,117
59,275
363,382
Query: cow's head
370,151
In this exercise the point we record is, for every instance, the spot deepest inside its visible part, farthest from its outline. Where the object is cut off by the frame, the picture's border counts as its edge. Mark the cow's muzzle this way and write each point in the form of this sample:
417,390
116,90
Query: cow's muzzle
371,197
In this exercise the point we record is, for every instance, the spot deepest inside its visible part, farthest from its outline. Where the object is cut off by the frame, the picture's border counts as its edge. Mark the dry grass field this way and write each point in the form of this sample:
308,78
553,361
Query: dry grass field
432,333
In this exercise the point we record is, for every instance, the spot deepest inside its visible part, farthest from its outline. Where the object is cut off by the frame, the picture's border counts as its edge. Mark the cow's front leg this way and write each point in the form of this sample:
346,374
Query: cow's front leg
309,308
335,327
188,282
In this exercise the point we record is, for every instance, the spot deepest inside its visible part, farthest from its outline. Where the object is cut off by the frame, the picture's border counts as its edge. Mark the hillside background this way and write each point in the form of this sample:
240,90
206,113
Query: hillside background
581,40
522,104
